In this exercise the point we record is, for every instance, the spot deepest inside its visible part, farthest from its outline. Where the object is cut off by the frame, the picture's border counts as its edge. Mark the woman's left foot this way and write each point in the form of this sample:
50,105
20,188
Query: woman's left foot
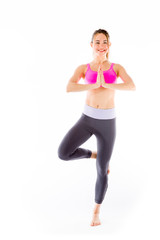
95,220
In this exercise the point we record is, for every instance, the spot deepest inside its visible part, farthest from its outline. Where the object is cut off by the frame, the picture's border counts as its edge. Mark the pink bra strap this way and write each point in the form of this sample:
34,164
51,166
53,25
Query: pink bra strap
87,67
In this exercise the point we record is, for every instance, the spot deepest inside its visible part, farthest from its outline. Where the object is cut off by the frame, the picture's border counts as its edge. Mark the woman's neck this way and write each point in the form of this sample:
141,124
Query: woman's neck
100,60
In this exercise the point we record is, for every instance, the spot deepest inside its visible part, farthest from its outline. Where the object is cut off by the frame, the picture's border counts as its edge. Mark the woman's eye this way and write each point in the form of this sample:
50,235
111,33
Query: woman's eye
104,43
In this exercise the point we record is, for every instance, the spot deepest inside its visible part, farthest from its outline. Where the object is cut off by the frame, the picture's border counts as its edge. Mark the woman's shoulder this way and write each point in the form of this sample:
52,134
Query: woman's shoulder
84,68
81,69
117,67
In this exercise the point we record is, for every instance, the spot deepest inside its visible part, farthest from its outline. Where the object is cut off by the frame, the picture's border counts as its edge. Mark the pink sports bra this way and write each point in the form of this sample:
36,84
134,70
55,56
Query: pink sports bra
109,75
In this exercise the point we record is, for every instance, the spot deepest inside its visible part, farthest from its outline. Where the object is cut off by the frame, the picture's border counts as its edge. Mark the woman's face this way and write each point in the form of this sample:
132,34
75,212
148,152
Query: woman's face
100,44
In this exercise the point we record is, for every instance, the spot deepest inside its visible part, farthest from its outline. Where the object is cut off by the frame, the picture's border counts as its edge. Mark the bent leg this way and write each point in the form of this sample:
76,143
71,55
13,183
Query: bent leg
76,136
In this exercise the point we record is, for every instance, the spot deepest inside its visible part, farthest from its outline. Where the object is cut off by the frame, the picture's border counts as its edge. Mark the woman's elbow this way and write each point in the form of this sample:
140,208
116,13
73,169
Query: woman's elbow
68,88
133,87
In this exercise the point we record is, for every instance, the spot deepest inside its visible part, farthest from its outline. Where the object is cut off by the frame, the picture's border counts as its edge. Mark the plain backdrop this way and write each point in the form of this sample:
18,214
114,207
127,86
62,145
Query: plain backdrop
41,45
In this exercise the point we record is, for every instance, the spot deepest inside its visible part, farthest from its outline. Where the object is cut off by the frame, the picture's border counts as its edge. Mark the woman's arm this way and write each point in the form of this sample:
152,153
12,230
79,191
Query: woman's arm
77,87
74,86
128,82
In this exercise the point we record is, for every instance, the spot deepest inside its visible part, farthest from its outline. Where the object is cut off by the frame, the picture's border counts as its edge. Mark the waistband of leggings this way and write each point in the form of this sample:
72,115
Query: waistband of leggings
98,113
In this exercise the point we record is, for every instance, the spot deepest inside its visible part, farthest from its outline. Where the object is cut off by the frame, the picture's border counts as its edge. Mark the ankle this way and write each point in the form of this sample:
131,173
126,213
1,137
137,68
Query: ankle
96,213
96,209
94,154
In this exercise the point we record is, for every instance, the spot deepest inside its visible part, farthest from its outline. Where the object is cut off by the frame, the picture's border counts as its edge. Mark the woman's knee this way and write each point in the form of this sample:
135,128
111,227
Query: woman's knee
62,153
103,170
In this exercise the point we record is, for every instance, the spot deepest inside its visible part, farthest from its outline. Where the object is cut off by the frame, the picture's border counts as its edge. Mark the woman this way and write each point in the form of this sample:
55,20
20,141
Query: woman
99,116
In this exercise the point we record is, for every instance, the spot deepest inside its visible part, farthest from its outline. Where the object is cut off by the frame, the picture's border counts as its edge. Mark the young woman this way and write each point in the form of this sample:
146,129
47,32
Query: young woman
99,115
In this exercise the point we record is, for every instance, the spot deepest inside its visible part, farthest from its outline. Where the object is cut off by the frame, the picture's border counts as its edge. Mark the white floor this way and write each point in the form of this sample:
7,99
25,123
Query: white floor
38,203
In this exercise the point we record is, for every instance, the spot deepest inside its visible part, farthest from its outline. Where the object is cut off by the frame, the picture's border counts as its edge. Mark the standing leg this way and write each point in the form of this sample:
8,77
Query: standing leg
105,142
102,163
78,134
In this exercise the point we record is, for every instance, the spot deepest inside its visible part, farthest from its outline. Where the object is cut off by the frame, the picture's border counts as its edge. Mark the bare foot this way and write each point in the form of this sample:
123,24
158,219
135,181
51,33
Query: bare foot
94,155
95,220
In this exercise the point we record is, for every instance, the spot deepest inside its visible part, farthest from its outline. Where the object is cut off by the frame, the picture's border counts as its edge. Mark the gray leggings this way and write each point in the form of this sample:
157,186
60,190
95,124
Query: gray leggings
101,123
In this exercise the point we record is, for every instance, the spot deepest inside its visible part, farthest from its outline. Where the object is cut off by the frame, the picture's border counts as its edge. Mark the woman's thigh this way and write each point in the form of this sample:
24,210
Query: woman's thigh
105,135
75,137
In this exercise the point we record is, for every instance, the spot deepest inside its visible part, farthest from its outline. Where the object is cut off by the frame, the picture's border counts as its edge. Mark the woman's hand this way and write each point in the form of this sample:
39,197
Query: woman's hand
102,80
100,77
98,83
103,83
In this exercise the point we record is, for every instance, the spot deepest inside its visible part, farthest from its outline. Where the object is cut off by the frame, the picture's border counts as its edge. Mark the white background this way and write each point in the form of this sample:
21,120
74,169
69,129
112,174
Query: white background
41,44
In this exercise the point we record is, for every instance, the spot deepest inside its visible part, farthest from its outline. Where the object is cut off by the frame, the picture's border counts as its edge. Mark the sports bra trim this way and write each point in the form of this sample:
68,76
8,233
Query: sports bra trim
88,67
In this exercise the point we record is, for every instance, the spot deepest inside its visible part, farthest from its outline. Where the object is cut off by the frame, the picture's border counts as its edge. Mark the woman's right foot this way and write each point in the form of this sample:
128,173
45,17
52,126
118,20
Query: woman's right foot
94,155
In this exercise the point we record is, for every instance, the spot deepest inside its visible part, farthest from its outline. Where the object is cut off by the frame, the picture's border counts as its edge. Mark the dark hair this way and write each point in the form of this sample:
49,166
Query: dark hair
105,33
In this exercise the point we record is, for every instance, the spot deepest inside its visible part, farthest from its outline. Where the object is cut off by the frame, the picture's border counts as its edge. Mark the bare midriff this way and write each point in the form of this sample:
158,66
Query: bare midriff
100,98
